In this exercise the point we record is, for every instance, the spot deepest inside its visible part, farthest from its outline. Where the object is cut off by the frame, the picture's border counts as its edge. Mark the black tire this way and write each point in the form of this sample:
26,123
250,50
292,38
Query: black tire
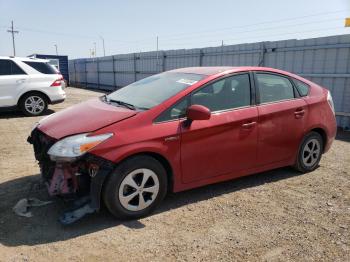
114,184
37,96
304,162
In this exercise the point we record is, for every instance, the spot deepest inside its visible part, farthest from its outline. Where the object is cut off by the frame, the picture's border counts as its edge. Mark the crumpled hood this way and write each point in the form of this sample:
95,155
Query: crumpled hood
84,117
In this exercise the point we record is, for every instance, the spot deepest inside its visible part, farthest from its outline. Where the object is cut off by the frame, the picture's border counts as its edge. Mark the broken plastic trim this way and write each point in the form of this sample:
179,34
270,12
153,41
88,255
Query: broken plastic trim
87,204
91,204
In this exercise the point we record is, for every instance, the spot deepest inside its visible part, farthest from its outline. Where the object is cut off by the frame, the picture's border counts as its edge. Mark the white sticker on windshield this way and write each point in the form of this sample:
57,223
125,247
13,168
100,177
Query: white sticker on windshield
186,81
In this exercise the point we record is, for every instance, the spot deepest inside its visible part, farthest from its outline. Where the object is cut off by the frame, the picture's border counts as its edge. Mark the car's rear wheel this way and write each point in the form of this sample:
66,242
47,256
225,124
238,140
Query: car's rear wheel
136,187
310,152
33,104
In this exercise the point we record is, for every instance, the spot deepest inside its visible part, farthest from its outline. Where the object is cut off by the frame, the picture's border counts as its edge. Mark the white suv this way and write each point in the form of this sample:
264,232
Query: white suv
29,84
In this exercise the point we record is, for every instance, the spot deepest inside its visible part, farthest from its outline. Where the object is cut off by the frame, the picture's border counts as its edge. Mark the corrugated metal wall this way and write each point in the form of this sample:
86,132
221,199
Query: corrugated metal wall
324,60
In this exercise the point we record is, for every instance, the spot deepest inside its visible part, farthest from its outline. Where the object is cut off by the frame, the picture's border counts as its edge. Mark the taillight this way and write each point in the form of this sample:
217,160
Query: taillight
330,101
57,82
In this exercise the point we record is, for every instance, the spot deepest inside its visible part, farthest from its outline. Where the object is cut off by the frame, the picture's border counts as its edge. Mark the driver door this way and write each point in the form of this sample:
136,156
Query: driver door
227,142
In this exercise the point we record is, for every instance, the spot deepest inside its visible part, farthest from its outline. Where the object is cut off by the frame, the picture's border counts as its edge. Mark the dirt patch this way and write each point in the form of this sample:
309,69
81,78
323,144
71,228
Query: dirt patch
272,216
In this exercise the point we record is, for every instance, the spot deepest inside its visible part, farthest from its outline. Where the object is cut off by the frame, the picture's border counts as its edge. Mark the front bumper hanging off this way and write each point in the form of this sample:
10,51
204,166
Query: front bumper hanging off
81,180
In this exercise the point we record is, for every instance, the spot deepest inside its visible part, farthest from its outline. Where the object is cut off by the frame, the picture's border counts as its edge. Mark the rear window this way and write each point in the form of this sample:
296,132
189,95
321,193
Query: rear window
44,68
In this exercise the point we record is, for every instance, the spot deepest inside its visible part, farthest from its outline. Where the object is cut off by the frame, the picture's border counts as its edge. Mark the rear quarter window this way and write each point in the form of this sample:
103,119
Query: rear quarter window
44,68
302,87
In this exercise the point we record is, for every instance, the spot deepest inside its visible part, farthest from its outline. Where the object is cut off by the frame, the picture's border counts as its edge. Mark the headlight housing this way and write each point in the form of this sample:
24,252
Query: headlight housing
69,148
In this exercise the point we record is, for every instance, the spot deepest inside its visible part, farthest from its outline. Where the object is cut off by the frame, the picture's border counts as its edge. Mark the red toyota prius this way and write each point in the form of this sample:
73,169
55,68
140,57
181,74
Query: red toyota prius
178,130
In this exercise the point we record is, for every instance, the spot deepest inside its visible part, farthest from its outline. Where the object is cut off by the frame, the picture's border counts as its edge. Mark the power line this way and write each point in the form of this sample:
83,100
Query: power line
244,26
264,22
269,28
13,32
246,31
265,36
174,35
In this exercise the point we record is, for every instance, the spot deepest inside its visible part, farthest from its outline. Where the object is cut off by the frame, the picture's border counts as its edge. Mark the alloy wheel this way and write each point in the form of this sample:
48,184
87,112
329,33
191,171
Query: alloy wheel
311,152
139,189
34,105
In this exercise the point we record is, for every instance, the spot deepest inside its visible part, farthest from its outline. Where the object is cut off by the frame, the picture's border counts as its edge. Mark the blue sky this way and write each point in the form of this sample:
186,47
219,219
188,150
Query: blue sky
132,26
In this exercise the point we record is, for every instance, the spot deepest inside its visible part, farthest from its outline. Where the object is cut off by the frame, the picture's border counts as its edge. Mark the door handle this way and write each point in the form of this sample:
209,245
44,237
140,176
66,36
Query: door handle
20,81
249,125
299,113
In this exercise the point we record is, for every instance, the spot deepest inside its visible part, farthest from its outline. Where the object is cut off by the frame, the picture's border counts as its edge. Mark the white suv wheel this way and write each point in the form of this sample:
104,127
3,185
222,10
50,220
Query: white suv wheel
34,105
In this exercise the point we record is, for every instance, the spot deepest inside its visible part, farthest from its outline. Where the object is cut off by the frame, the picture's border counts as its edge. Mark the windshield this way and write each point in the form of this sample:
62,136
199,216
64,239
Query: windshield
154,90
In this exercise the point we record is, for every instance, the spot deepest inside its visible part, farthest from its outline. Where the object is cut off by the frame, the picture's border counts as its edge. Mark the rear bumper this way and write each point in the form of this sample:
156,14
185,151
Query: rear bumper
56,94
332,132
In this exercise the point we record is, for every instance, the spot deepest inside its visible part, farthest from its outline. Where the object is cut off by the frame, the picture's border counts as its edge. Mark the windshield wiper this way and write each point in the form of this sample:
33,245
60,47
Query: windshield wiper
120,103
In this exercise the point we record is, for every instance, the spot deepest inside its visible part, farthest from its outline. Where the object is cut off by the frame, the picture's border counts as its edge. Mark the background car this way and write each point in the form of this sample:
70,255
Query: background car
179,130
29,84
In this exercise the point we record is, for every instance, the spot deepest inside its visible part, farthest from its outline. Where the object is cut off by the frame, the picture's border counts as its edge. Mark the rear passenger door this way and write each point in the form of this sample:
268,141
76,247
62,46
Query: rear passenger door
281,120
12,79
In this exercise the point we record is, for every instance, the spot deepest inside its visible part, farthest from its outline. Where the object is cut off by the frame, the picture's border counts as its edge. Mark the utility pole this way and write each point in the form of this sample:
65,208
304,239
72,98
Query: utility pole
95,48
13,32
103,44
157,54
56,49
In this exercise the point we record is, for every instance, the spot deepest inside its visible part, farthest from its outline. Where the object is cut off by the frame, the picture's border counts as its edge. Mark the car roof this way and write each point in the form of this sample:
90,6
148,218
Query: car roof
218,70
205,70
28,59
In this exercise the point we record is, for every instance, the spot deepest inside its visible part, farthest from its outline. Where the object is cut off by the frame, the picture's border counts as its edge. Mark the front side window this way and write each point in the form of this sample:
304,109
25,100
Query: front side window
174,112
227,93
44,68
154,90
274,88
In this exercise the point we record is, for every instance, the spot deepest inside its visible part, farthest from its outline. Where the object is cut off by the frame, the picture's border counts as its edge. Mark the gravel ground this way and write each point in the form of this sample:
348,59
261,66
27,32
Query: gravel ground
279,215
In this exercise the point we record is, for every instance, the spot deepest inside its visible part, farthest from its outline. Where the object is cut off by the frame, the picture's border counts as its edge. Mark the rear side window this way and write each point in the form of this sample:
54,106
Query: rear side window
302,87
44,68
8,67
274,88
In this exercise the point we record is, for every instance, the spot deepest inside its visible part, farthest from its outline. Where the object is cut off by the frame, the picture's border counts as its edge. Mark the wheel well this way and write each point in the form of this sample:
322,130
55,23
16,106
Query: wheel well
323,135
165,163
34,92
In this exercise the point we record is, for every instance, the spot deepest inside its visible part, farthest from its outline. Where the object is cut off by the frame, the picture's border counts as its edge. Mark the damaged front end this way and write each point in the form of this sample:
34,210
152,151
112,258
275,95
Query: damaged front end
73,178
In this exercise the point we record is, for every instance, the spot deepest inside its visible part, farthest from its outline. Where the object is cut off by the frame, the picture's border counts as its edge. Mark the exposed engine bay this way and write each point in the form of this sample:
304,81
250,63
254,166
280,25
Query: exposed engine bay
79,181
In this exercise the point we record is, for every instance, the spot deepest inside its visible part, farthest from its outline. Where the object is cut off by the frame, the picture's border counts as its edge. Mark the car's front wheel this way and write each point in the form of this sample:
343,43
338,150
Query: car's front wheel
136,187
33,104
310,153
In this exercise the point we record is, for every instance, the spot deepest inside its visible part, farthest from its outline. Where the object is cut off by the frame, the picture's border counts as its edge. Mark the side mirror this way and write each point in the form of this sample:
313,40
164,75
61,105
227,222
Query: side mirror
198,112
